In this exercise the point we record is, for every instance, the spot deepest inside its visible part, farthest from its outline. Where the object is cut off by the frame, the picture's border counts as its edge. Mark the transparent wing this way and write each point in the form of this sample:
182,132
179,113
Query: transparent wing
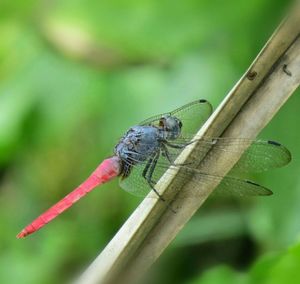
261,155
137,185
192,116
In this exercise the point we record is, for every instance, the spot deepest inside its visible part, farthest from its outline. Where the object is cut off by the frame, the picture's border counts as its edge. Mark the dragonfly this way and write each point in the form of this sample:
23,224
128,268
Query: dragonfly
149,150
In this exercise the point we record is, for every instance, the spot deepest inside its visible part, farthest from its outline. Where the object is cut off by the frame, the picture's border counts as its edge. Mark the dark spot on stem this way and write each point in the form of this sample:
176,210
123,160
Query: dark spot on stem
251,75
286,71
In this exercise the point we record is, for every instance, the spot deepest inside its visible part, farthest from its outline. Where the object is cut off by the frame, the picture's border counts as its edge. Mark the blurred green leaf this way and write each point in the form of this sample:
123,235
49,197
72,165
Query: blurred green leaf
215,226
220,275
276,268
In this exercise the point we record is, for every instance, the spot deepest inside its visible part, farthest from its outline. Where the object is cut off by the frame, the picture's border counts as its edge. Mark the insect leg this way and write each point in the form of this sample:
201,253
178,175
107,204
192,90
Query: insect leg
150,167
151,182
166,153
146,169
177,146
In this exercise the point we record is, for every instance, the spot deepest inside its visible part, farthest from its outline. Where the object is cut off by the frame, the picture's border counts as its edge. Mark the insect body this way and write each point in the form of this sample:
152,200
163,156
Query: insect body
149,150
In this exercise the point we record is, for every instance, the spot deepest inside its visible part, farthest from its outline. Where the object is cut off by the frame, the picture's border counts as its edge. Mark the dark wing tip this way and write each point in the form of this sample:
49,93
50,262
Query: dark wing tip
274,143
203,101
288,154
263,190
251,182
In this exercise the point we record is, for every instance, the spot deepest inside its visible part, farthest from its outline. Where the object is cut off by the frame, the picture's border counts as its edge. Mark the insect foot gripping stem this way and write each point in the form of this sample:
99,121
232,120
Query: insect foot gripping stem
107,170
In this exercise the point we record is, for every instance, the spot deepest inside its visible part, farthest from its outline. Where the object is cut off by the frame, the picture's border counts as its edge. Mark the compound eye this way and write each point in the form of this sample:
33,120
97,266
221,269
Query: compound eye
162,122
180,124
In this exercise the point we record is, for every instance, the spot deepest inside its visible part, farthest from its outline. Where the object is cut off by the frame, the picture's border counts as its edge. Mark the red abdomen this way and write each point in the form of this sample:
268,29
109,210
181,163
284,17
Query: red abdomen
106,171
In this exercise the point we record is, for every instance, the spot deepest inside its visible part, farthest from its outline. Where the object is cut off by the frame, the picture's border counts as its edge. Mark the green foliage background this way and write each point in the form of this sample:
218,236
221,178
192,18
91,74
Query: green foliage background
74,75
